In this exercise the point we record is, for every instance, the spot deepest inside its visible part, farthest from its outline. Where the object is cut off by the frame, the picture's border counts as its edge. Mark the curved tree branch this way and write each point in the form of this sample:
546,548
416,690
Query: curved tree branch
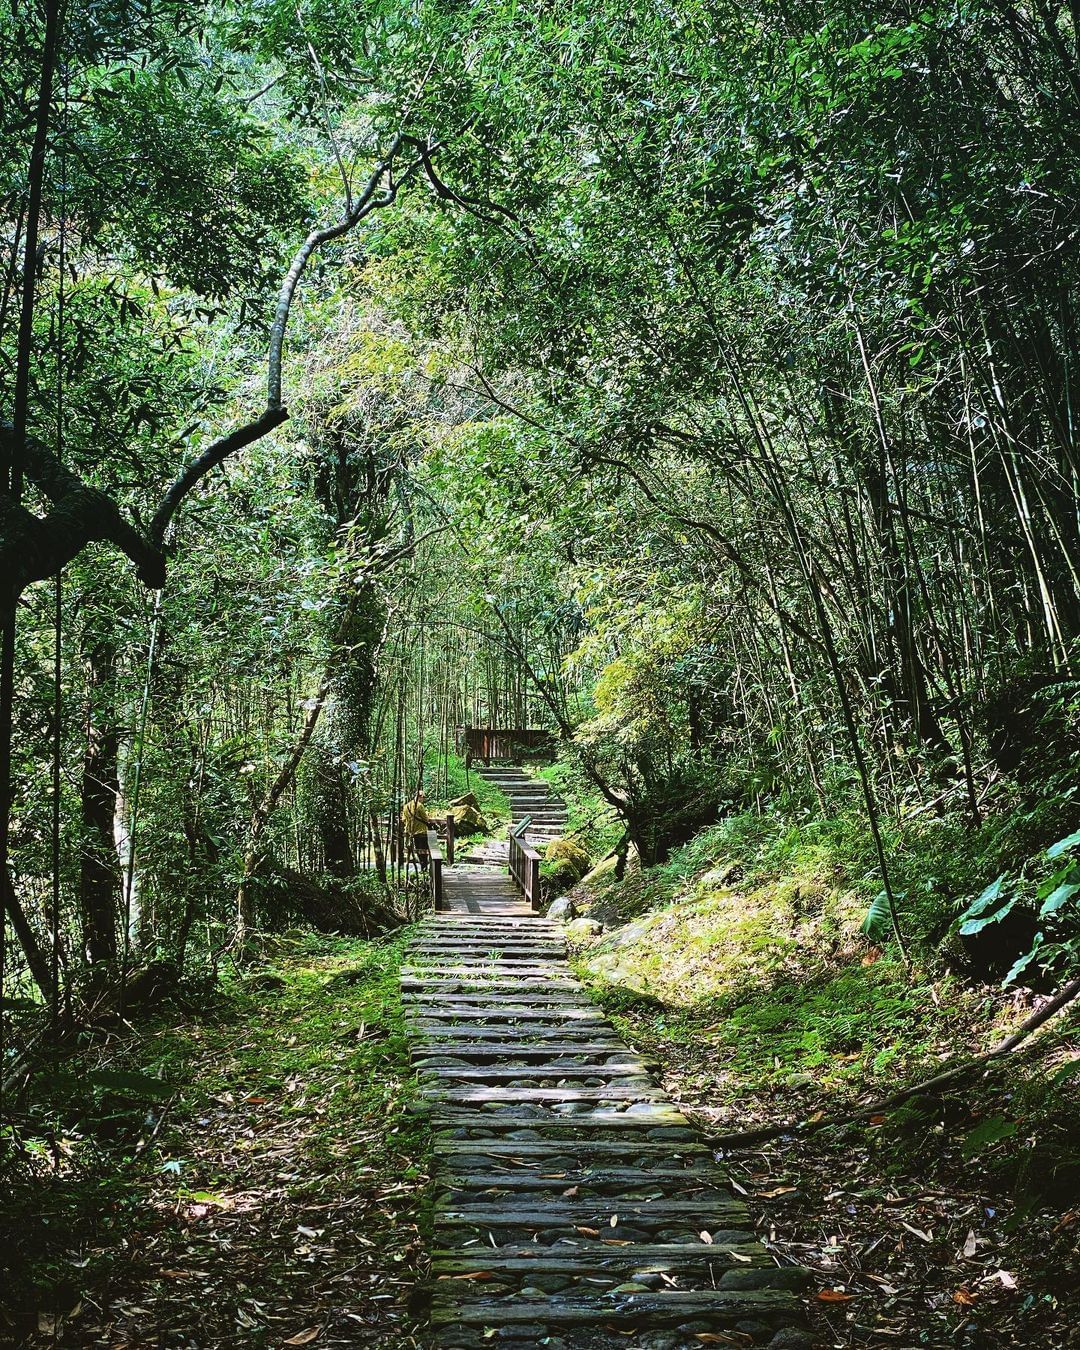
363,205
210,458
33,548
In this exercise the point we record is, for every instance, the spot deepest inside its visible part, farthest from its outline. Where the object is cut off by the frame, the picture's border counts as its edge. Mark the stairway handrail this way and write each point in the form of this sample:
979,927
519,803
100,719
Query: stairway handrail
524,864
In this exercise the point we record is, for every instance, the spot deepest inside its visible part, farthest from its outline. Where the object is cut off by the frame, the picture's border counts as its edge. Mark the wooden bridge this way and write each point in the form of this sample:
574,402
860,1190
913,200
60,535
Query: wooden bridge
575,1205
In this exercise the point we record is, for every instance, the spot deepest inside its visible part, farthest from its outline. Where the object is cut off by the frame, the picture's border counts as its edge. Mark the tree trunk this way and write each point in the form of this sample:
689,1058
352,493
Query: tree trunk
99,873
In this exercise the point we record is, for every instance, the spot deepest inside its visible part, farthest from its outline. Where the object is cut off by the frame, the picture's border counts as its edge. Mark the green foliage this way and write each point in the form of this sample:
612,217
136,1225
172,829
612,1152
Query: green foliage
991,907
185,186
878,921
455,782
988,1133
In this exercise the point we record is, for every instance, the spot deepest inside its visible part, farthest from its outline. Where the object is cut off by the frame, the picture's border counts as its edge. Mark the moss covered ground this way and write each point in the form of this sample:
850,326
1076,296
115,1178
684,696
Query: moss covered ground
740,967
267,1192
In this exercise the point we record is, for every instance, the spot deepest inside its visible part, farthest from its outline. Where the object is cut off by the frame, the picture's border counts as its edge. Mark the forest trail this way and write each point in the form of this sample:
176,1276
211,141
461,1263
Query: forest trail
574,1203
530,798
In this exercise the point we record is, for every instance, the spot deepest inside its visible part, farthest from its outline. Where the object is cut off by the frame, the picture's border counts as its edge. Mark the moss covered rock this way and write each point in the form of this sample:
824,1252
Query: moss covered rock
467,820
568,858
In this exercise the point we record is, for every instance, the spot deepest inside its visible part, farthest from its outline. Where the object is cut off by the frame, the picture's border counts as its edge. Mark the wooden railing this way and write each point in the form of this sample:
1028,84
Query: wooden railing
451,839
505,743
525,865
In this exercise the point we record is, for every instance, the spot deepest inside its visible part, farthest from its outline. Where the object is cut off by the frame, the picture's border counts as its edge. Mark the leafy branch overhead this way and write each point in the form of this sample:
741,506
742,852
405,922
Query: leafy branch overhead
33,548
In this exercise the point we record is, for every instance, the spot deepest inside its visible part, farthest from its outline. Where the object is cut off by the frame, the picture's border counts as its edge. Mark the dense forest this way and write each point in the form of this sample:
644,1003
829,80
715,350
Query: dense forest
691,381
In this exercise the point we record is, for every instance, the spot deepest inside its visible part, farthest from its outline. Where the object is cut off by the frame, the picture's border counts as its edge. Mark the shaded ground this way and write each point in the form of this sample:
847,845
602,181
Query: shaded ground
949,1221
271,1200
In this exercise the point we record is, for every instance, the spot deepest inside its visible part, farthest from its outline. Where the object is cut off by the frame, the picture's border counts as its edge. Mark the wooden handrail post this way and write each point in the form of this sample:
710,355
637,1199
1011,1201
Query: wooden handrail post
450,837
532,892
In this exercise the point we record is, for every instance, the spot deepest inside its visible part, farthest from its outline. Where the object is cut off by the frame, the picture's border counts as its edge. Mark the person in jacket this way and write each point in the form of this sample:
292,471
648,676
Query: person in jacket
416,822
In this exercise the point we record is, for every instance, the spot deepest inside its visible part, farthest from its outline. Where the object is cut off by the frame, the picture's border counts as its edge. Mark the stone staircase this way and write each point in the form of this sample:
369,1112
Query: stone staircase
532,797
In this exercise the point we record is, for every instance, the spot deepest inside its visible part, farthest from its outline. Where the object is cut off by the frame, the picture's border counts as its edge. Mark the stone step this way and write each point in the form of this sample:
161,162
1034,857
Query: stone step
562,1096
553,1051
657,1255
453,966
673,1181
667,1308
708,1212
499,1012
487,979
512,1036
547,1153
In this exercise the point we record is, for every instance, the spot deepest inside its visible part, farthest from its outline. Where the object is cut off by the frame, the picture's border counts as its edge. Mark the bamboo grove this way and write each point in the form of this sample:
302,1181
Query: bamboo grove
702,387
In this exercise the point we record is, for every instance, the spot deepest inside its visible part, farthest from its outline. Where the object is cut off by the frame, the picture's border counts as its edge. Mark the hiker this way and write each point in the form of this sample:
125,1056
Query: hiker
417,822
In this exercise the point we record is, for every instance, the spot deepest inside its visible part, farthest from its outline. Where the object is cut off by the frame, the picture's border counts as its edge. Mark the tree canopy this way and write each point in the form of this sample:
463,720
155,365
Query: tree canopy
694,380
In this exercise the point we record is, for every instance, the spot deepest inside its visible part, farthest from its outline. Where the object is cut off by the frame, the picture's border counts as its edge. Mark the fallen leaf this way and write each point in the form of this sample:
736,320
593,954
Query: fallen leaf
613,1220
570,1192
970,1245
964,1297
738,1256
834,1296
587,1232
304,1337
1007,1279
705,1237
713,1338
470,1275
923,1237
777,1190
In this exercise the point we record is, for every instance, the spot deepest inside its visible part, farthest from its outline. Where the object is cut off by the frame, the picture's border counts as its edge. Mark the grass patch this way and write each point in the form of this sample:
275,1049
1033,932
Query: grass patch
948,1221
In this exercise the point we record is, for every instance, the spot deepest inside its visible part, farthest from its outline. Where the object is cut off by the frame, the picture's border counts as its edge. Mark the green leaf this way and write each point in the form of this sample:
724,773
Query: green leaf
989,897
989,1132
1059,896
1067,1071
878,921
972,926
19,1004
1063,845
130,1084
977,916
1021,963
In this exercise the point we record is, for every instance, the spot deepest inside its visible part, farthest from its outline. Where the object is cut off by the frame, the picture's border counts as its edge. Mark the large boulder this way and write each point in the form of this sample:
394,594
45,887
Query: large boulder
567,858
467,819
